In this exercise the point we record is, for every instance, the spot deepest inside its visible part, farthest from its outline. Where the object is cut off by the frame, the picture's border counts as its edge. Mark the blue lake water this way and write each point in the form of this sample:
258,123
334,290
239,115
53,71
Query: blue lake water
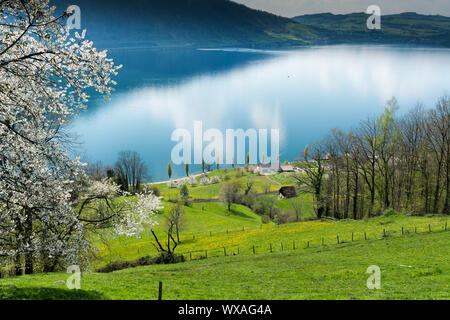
304,93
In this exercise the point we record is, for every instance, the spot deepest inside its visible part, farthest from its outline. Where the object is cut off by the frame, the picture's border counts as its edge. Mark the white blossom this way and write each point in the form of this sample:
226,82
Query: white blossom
44,78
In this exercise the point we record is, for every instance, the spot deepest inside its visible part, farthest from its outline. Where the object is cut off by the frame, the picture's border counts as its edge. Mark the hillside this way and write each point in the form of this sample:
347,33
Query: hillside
405,28
223,23
186,23
315,273
310,259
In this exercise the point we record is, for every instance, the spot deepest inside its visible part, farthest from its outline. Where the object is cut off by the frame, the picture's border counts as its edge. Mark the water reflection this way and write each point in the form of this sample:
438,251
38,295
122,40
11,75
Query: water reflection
304,93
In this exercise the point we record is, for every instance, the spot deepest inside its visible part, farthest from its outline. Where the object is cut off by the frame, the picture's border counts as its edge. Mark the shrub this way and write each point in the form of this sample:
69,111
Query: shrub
116,265
390,212
215,179
169,258
184,194
265,219
162,258
259,207
249,199
204,181
181,182
283,217
154,190
193,181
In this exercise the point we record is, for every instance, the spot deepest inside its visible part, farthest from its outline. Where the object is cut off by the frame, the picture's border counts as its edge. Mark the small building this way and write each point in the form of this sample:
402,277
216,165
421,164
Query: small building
287,192
266,169
286,168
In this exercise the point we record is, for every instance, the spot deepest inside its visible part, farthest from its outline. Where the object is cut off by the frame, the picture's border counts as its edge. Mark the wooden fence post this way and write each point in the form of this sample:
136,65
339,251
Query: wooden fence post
293,244
253,249
415,229
365,235
445,226
352,236
160,291
323,241
206,253
384,232
270,248
308,244
190,255
429,228
337,239
224,251
282,246
238,250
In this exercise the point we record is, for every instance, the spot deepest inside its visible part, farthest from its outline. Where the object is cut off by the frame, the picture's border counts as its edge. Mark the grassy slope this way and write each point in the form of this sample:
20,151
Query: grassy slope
338,269
209,226
212,191
263,236
413,267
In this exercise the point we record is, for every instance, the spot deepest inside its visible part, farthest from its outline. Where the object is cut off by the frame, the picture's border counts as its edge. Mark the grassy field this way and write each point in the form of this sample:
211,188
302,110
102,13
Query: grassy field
241,230
212,191
416,266
210,228
317,259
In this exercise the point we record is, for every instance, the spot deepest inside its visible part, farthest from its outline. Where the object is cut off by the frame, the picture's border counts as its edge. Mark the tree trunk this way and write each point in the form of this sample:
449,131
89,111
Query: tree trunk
355,196
27,235
17,266
437,189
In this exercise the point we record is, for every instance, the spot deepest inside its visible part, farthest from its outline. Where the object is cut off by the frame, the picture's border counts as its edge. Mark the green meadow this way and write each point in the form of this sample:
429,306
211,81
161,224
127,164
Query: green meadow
416,266
234,255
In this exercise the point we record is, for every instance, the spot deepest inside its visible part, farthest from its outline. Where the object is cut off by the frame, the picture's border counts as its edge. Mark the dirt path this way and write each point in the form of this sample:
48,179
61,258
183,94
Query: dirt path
275,182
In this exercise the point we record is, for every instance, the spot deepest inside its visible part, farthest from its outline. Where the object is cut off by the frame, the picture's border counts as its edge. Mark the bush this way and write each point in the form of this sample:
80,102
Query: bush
169,258
284,217
162,258
116,265
204,181
182,182
154,190
193,181
265,219
390,212
184,194
249,199
259,207
215,179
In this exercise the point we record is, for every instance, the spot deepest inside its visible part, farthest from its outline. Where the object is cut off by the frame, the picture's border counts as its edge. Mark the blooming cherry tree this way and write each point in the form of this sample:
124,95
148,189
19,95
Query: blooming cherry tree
45,74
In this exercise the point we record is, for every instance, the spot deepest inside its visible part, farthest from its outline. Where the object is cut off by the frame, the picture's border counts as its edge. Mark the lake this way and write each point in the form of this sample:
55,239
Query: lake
304,93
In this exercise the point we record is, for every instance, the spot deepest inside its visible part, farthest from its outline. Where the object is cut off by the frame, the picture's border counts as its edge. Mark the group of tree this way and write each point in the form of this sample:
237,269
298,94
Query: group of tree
129,171
401,163
240,192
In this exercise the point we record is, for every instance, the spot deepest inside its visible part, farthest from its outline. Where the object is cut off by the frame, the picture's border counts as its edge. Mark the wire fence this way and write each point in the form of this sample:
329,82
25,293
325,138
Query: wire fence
286,245
228,231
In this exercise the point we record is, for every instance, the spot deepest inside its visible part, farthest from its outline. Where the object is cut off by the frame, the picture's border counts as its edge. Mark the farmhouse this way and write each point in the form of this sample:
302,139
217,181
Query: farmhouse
286,168
287,192
266,169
